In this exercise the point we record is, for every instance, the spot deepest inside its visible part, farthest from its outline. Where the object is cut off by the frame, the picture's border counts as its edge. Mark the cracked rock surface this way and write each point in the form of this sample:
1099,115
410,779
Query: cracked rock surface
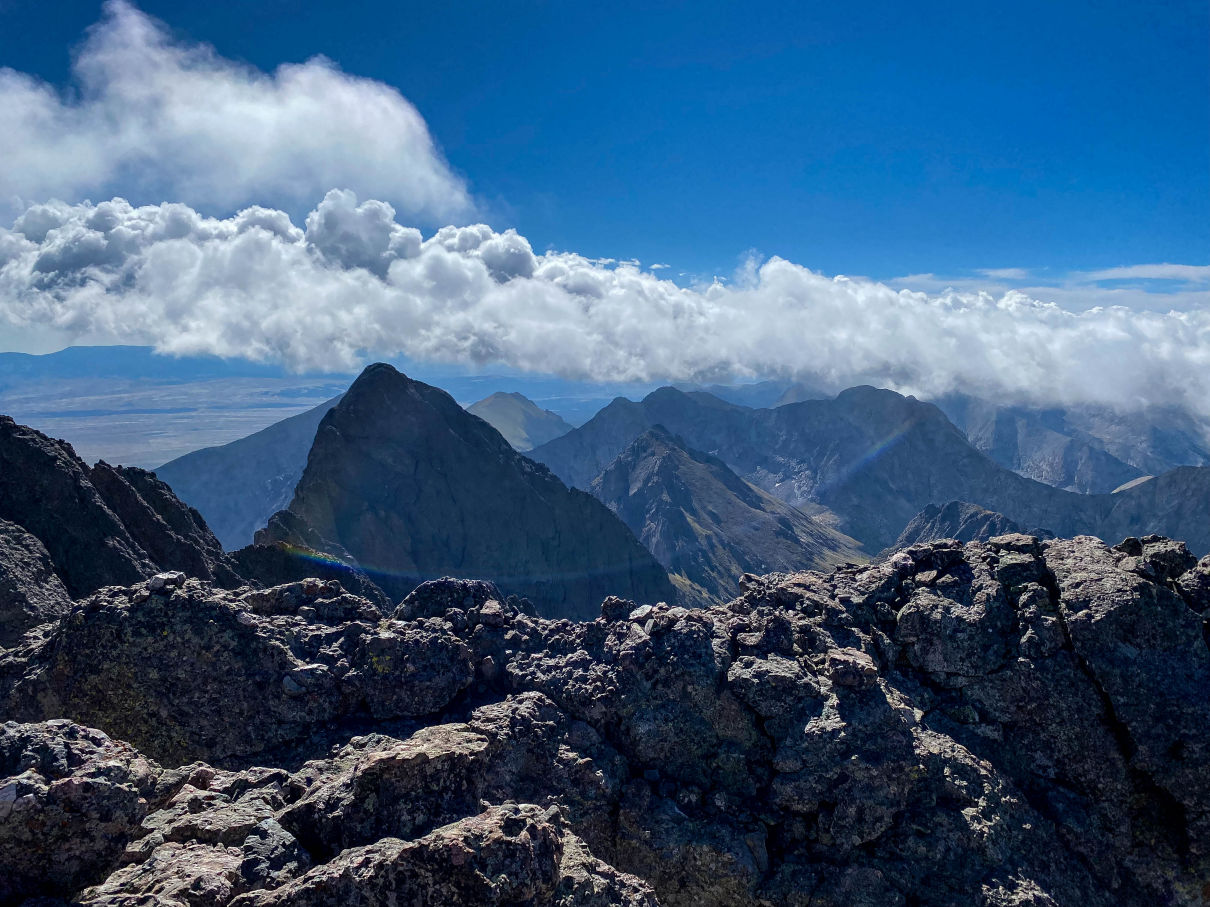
1016,722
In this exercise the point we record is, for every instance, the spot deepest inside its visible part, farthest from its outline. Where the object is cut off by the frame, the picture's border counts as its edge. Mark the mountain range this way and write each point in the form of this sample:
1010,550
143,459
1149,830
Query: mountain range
706,525
863,464
869,460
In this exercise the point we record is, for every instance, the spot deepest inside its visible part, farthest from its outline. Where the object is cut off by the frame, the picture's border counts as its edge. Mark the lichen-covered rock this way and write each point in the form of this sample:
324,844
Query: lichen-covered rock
505,855
185,671
1143,648
437,596
379,787
214,838
996,723
70,799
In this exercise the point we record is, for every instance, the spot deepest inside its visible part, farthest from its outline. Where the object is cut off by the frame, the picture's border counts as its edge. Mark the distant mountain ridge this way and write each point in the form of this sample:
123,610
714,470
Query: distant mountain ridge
867,462
706,525
1080,448
958,520
414,488
523,423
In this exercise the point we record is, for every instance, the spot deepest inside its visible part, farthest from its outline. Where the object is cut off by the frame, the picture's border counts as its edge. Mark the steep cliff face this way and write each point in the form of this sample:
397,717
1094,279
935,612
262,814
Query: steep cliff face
706,525
45,488
1003,723
174,536
31,593
413,487
1179,499
98,526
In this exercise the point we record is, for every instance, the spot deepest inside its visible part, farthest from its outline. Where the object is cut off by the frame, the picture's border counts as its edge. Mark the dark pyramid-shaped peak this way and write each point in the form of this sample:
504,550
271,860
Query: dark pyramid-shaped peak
386,405
415,488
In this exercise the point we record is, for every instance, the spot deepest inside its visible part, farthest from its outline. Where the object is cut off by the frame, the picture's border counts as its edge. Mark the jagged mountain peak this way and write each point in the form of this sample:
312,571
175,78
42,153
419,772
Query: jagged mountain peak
414,488
705,524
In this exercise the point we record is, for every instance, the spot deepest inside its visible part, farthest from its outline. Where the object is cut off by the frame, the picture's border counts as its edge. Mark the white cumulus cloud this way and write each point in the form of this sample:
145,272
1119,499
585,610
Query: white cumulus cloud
356,285
152,117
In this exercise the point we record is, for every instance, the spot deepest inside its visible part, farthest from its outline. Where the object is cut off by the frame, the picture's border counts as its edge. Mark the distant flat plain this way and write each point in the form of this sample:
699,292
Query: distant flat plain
146,423
130,406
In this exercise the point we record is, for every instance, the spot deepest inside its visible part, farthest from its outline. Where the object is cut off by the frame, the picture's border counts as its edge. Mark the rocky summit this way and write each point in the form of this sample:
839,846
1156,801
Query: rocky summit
411,487
1010,722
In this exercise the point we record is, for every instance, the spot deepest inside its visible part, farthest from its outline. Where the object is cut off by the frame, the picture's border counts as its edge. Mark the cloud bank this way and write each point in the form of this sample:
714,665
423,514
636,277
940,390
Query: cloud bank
353,285
156,118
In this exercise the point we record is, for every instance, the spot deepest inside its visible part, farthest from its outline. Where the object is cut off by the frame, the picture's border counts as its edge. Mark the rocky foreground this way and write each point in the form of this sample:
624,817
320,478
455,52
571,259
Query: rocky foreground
1017,722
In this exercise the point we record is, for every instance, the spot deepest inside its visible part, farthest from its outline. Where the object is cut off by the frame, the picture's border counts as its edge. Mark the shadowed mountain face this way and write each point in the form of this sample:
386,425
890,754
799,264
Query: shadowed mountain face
523,423
703,421
413,487
708,526
238,486
31,592
866,462
1178,498
45,489
101,526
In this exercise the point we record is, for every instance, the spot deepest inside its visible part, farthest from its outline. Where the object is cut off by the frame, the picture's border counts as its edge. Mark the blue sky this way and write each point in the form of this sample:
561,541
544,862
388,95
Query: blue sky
929,197
882,139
